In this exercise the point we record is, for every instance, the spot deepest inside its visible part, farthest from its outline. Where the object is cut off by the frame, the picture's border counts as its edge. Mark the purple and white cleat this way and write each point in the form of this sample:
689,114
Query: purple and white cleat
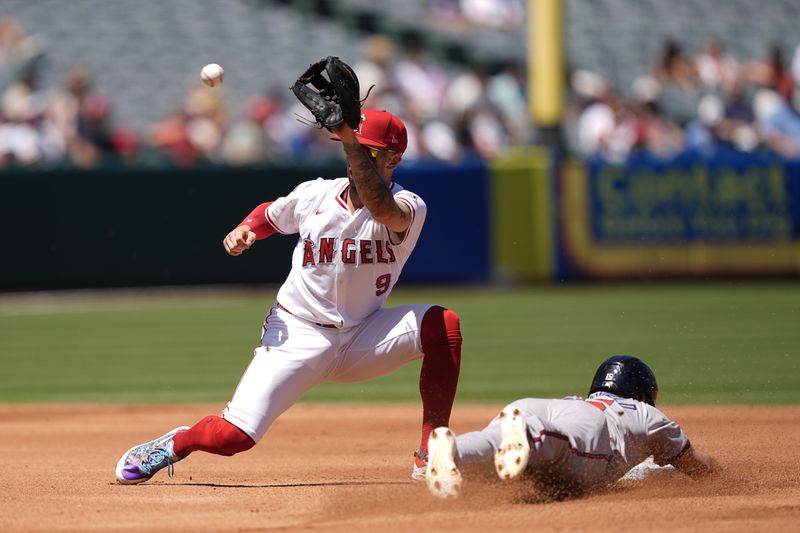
142,461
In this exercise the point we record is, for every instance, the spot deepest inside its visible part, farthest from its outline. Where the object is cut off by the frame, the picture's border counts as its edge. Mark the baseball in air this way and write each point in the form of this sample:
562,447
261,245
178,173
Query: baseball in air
212,75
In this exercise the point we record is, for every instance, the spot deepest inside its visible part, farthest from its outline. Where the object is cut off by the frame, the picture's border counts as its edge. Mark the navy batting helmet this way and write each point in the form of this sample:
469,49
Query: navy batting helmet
626,376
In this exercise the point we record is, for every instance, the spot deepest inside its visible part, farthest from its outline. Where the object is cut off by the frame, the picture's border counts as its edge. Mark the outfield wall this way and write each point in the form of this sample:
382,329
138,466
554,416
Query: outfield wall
523,217
139,227
730,214
727,215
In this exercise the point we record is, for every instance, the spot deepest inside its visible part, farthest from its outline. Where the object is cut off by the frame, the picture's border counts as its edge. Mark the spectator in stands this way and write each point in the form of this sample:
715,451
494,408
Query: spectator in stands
653,133
716,69
781,79
584,88
466,90
795,68
246,142
374,69
739,106
484,131
448,113
782,128
678,77
27,134
95,129
739,118
605,129
703,134
20,54
766,103
467,15
437,139
770,73
506,91
502,14
194,133
421,83
446,14
465,96
83,119
19,137
479,122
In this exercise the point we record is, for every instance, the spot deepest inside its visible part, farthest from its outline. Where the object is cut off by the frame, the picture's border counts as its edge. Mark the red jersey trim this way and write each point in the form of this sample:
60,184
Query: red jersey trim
339,196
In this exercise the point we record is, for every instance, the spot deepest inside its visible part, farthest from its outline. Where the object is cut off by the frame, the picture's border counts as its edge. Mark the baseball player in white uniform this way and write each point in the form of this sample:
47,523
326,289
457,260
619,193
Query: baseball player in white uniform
572,445
355,235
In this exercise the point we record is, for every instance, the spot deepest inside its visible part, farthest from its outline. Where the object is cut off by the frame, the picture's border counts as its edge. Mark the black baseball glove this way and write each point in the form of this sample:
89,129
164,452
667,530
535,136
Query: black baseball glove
330,90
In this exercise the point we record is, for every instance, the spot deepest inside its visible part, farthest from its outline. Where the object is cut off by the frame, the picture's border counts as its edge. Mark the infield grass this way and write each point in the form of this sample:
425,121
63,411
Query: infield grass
712,343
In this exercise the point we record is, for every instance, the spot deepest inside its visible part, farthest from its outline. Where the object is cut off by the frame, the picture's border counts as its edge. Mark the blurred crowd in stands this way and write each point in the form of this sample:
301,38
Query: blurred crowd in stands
464,15
698,103
686,102
46,125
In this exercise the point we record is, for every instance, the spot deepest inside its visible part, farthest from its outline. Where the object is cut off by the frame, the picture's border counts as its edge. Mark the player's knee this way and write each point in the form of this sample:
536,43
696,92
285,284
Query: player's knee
452,323
440,326
231,440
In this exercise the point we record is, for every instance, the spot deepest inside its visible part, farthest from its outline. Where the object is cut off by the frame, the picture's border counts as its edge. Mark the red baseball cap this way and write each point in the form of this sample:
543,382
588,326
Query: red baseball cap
381,129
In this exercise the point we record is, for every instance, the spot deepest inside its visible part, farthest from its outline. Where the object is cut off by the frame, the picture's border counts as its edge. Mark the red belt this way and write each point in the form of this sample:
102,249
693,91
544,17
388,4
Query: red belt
282,308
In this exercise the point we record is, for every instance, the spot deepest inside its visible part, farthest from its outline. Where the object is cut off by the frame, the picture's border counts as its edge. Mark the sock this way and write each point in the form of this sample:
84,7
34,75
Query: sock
440,333
213,435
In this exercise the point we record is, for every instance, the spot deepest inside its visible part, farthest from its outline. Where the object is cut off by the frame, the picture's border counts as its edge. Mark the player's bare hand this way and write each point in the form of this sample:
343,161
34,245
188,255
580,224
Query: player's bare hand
239,240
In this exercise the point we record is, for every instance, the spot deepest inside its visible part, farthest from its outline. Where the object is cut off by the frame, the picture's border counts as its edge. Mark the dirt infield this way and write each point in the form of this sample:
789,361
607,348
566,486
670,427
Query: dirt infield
345,467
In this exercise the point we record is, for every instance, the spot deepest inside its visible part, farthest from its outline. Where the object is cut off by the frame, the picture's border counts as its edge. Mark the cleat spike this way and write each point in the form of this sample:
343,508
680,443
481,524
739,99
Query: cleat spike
442,475
512,455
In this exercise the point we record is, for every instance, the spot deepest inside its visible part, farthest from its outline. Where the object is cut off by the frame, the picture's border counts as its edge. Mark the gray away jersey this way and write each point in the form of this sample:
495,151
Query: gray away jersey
584,442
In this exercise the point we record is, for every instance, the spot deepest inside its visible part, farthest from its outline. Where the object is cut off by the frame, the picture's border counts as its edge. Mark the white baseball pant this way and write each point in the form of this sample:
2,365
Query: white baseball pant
297,355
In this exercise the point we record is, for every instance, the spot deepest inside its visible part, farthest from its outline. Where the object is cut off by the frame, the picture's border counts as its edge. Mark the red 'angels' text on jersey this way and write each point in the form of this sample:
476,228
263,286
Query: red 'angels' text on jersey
345,264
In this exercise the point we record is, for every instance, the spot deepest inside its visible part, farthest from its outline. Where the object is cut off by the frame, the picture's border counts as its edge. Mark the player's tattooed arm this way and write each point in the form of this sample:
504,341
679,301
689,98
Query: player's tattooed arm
372,190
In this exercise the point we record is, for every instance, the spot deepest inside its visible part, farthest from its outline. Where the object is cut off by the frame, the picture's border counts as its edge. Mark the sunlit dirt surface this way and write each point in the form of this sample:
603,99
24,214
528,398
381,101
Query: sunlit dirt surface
347,467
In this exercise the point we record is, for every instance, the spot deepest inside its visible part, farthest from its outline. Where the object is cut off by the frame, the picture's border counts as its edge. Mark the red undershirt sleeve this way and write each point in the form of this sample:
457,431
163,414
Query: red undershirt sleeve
257,220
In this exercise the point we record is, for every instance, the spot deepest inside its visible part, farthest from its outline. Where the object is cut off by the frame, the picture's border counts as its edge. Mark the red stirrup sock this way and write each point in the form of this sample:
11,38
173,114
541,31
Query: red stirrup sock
213,435
440,333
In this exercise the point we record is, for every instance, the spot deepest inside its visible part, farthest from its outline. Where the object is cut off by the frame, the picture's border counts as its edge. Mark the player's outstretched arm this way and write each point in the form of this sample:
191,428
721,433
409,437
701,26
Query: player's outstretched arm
239,240
372,190
696,464
254,227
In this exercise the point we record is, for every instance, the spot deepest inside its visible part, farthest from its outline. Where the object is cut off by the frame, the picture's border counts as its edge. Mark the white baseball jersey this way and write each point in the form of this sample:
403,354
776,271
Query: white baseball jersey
345,264
329,325
584,443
